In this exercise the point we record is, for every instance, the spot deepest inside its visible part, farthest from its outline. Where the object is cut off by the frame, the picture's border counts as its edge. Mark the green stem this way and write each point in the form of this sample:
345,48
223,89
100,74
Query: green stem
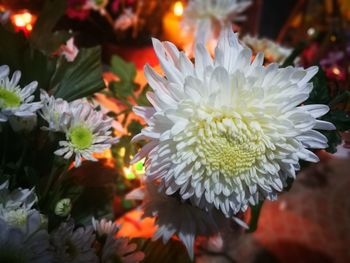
19,165
62,176
255,214
49,182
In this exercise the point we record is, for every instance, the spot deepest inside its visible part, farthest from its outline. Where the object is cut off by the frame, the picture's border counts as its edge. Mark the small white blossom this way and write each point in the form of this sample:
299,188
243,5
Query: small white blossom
272,51
88,132
56,112
23,234
207,17
14,100
16,206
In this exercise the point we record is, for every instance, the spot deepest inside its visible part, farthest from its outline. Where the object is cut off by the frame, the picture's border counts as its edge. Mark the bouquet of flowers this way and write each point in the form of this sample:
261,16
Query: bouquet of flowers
215,136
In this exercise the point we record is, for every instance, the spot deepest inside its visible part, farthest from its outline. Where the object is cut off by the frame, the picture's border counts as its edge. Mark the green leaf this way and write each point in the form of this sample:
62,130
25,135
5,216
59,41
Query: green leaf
134,127
320,93
121,89
18,54
42,36
334,139
126,71
339,118
157,252
80,78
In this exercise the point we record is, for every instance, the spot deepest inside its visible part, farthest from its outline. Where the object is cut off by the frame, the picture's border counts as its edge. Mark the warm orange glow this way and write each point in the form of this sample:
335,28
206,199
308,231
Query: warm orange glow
107,156
23,21
178,8
336,71
134,226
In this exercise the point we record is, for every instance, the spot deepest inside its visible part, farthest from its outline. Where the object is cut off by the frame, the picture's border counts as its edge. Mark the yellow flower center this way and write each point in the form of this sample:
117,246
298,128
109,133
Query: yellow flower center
81,137
230,146
9,99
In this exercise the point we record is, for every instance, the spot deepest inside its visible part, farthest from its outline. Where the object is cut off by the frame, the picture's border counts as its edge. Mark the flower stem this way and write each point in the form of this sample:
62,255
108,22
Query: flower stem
19,164
255,214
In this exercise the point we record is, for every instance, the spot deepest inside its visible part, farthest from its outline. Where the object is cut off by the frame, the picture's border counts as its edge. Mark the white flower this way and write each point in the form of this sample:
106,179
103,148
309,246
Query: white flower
207,17
69,50
104,227
229,131
63,207
272,51
22,232
177,217
31,245
73,245
88,131
56,112
16,206
15,101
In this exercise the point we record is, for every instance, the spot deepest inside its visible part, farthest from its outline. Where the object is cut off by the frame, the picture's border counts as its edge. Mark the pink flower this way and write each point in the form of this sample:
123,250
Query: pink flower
76,9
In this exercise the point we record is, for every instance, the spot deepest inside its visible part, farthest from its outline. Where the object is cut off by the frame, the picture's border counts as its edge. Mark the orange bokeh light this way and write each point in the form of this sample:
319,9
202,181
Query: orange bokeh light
178,8
23,21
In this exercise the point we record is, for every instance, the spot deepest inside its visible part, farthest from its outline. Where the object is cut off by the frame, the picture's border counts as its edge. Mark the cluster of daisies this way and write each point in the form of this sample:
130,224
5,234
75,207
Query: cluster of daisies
86,130
25,237
222,134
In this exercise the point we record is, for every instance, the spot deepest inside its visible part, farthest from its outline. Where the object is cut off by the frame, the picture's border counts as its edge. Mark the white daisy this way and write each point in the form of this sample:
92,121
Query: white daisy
15,101
229,131
56,112
273,52
207,17
22,232
16,206
31,245
175,216
88,131
73,245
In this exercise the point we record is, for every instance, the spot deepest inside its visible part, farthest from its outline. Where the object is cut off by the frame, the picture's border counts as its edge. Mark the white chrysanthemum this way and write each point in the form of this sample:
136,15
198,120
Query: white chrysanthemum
56,112
73,245
16,101
31,245
175,216
229,131
206,17
16,206
88,132
272,51
22,232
